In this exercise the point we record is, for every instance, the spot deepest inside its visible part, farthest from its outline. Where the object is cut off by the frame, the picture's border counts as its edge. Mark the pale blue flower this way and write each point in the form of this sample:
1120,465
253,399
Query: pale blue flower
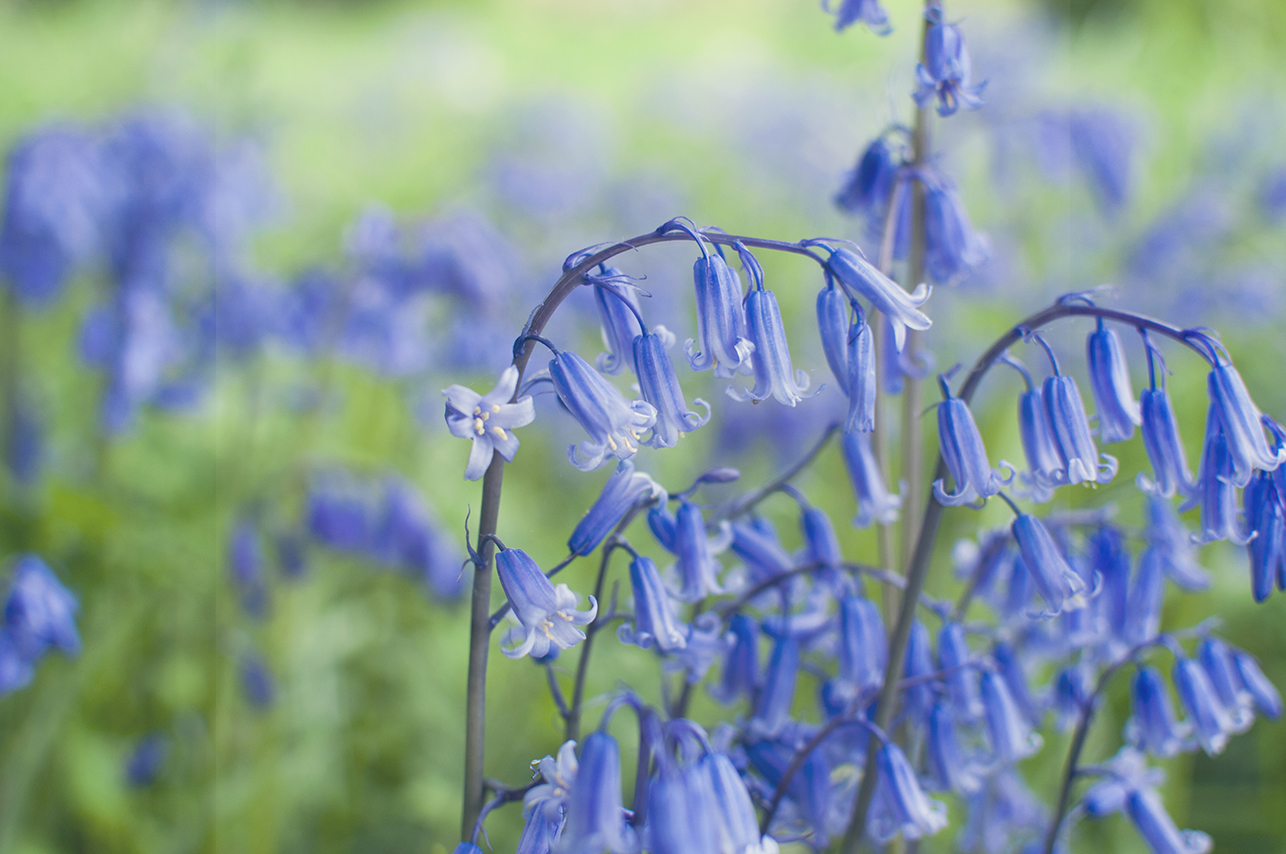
488,420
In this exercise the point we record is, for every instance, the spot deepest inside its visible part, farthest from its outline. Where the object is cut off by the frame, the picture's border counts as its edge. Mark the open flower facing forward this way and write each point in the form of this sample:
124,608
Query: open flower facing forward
489,420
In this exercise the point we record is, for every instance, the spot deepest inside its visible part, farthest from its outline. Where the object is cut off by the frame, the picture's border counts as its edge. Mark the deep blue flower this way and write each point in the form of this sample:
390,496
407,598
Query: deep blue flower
654,619
489,420
863,645
964,454
1071,431
687,539
547,613
257,682
466,848
618,311
740,673
1111,562
1242,425
1010,736
832,324
952,247
146,760
946,70
1044,462
1265,515
1010,668
1215,489
660,387
595,817
868,189
1207,715
721,320
1146,597
905,807
1118,412
245,564
1057,583
821,544
949,770
40,612
758,547
1159,830
736,828
961,675
624,490
1216,658
869,12
920,697
772,712
860,277
1153,726
874,503
1262,692
613,424
774,375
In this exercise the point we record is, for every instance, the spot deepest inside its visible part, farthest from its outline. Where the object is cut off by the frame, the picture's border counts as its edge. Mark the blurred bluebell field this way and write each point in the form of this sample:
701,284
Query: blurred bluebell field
246,247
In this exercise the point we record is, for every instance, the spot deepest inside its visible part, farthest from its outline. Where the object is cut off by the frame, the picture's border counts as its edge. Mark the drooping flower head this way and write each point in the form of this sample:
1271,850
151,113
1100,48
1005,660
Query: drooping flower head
1118,412
1009,733
40,612
1161,434
613,423
774,375
1059,585
964,454
660,387
1154,727
1242,425
905,807
952,247
1071,428
946,70
619,312
874,503
488,420
596,820
1215,489
683,534
624,490
1044,462
654,620
861,278
547,613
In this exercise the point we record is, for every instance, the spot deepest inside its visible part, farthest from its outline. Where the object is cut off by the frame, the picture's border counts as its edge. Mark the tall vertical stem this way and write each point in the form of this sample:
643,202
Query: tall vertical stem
479,645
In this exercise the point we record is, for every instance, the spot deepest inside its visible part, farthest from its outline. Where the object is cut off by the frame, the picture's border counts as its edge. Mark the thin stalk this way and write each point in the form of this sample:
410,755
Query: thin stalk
918,569
885,535
747,502
572,730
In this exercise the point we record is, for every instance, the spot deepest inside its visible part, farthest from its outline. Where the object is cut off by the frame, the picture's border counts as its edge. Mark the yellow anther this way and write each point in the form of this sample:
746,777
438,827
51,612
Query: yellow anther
610,443
627,444
564,615
500,433
485,416
495,407
477,426
477,410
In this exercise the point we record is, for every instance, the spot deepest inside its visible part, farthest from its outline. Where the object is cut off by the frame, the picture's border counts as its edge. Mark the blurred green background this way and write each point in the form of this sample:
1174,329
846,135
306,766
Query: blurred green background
621,114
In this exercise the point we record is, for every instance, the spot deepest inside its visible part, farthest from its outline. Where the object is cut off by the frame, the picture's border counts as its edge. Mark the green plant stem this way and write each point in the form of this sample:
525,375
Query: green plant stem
572,730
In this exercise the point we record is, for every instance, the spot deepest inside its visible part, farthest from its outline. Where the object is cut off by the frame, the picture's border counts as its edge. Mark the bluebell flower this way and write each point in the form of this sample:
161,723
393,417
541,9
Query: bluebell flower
558,776
832,325
946,70
1158,829
1242,425
952,248
921,697
613,424
1044,462
859,276
1164,447
340,512
1265,515
624,490
774,375
40,612
1118,411
906,809
696,565
874,503
1057,583
721,320
547,613
1111,562
488,420
868,189
869,12
704,643
618,311
654,619
679,804
1019,592
1071,431
1216,659
758,547
964,454
1153,726
772,712
257,682
660,387
740,673
809,791
1146,597
1002,811
863,644
948,768
538,833
146,760
821,544
408,538
1010,668
1262,692
861,383
736,828
960,673
1215,489
466,848
1124,773
245,563
1010,736
595,817
1175,547
1207,715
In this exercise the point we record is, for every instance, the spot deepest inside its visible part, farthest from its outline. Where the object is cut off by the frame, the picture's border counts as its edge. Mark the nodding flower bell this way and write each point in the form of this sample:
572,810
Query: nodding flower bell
1164,447
740,676
905,807
654,619
1010,668
1044,462
952,247
660,387
869,12
1265,513
1159,830
772,712
1058,584
1118,412
684,536
874,503
859,276
862,380
758,547
736,828
596,820
1145,598
1071,428
558,776
547,613
773,373
1010,735
1216,658
613,424
832,324
1174,544
1153,727
961,675
1215,490
868,189
721,320
619,312
1210,721
489,420
964,454
1242,425
1261,691
624,490
863,646
946,69
921,696
948,769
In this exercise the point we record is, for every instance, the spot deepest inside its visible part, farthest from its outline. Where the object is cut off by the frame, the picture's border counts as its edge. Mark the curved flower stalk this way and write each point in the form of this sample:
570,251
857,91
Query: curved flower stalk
488,420
1118,412
613,424
860,277
547,613
946,70
964,454
660,387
